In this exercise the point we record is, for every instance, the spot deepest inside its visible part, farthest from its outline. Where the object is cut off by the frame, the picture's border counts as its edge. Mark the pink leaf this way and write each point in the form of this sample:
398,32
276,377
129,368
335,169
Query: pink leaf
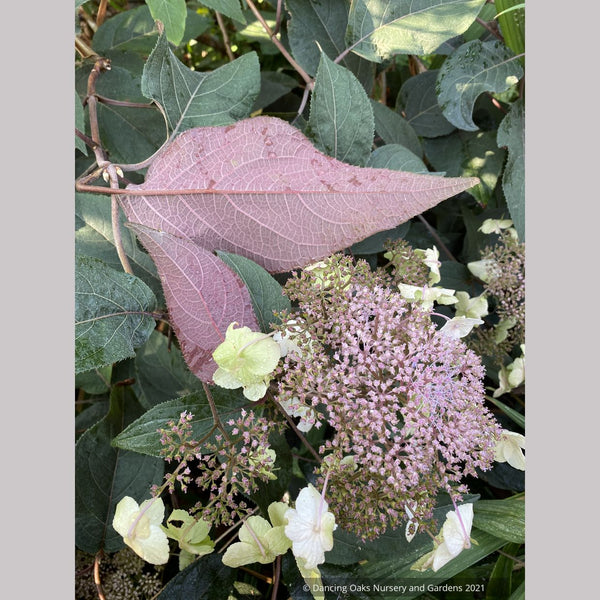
259,188
203,296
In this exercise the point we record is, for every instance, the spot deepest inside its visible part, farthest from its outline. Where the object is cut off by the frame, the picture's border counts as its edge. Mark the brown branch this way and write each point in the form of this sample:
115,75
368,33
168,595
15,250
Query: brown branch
97,580
101,12
437,238
226,42
489,28
295,429
215,414
276,576
273,36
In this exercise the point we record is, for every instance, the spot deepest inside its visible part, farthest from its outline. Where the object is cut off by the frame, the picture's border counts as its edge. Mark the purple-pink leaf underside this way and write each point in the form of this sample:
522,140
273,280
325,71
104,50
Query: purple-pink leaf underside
260,189
203,296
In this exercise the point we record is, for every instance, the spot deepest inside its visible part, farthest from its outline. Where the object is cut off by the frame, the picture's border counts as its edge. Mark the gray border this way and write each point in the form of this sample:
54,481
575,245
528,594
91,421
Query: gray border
36,104
562,219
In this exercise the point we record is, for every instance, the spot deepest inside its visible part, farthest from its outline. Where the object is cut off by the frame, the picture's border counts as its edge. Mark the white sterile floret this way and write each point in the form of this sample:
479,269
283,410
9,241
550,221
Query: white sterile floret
426,296
510,449
453,538
459,327
511,376
310,527
412,524
294,408
431,258
260,541
454,535
246,359
485,269
140,527
495,225
288,340
474,308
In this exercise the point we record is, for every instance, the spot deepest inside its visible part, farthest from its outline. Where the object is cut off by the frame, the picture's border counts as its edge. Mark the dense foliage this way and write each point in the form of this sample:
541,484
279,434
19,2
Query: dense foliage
300,332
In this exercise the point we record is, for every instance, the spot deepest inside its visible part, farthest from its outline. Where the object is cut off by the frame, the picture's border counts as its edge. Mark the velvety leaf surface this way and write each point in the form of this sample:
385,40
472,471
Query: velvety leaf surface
511,134
142,435
502,518
323,23
476,67
230,8
341,119
104,474
378,29
265,292
260,189
207,578
194,99
94,237
421,109
397,158
395,129
131,30
172,14
203,296
161,373
109,319
273,85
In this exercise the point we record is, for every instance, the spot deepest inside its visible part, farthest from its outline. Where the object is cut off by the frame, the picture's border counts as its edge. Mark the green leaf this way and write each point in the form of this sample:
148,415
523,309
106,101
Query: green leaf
80,125
161,373
519,593
314,25
517,417
110,314
90,416
229,8
468,154
142,435
375,243
398,158
103,475
398,567
503,518
456,276
474,68
511,133
500,581
341,120
379,29
193,99
172,14
394,129
130,30
266,294
96,381
511,18
421,109
128,134
273,85
207,578
94,237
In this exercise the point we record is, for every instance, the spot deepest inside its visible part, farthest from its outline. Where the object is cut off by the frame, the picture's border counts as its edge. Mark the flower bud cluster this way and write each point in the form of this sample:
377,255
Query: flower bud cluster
405,401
